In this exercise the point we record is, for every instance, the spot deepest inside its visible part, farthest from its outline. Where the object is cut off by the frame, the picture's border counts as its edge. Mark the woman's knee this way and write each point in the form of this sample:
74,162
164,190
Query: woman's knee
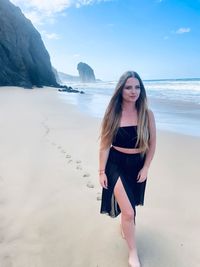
128,215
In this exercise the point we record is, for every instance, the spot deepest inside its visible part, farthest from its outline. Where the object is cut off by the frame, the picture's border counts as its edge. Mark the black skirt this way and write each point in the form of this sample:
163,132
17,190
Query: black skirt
127,167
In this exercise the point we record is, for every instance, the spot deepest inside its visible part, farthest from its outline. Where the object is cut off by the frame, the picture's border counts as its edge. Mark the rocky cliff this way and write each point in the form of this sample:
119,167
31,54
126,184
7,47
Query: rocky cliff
58,80
86,73
24,60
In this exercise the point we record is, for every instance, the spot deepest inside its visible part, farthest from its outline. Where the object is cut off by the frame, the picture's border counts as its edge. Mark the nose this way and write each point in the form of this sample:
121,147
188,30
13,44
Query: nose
134,89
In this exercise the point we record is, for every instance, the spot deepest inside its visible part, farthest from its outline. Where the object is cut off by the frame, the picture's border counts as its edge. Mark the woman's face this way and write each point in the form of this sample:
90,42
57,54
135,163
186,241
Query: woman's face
131,90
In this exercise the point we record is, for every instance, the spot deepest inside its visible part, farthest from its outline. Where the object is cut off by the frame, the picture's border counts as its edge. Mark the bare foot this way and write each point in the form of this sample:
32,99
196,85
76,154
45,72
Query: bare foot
133,259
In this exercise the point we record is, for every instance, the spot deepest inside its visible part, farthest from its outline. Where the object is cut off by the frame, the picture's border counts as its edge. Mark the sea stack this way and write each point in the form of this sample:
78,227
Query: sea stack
24,60
86,73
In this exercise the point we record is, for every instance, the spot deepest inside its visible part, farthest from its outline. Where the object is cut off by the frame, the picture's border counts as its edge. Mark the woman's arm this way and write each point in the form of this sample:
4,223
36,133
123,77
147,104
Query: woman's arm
151,150
103,157
152,140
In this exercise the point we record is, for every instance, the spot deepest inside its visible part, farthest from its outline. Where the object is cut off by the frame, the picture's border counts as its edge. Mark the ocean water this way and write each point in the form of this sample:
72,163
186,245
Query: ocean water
175,103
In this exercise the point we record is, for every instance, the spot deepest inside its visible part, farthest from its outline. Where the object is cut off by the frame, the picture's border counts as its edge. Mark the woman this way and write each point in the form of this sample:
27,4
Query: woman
127,146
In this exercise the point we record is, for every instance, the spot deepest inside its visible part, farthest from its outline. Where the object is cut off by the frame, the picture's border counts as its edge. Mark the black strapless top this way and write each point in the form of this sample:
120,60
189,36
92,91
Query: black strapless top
126,137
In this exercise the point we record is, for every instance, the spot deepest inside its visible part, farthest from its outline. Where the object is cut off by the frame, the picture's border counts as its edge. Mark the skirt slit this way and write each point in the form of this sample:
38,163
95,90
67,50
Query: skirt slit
125,167
128,193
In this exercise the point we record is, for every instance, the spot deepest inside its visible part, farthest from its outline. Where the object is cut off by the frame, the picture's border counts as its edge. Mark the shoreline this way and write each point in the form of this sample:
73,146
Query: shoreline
186,113
173,115
49,191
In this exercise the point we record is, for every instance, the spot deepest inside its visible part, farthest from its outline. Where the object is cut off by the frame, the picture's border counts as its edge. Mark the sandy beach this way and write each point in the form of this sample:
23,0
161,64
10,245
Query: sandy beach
49,191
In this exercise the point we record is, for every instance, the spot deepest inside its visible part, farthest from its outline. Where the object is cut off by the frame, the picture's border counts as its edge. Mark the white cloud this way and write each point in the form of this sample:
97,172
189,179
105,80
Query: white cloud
80,3
40,11
53,6
51,36
47,6
183,30
34,16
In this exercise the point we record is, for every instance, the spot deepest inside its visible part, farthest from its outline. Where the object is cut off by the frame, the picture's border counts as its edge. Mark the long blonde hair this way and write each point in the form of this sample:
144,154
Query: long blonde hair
113,114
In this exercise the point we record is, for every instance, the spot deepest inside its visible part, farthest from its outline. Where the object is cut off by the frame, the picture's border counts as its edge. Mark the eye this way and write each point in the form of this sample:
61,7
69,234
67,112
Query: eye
127,87
137,87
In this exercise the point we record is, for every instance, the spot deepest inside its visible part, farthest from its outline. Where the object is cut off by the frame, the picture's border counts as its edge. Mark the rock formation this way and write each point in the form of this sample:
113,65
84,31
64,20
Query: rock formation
58,80
24,60
86,73
67,77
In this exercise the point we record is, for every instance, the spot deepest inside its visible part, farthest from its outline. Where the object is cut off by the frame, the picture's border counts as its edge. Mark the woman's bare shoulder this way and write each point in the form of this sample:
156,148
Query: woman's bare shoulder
150,113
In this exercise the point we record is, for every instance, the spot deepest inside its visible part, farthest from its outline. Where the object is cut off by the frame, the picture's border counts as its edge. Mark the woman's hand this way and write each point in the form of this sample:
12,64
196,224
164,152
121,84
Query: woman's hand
103,180
142,175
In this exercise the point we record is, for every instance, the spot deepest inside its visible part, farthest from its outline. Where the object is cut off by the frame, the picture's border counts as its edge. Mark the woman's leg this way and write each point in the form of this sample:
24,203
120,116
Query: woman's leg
127,222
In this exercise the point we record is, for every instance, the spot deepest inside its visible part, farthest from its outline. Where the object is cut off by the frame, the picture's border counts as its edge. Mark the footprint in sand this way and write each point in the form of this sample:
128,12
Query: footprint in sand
86,174
68,156
90,184
98,196
47,130
78,167
70,161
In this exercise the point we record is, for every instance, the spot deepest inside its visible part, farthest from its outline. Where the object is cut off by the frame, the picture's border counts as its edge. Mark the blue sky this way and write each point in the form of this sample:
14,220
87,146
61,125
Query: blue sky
157,38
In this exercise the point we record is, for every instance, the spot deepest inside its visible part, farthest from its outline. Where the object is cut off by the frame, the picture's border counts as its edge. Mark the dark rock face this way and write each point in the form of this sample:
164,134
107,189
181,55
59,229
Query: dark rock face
69,89
24,60
86,73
